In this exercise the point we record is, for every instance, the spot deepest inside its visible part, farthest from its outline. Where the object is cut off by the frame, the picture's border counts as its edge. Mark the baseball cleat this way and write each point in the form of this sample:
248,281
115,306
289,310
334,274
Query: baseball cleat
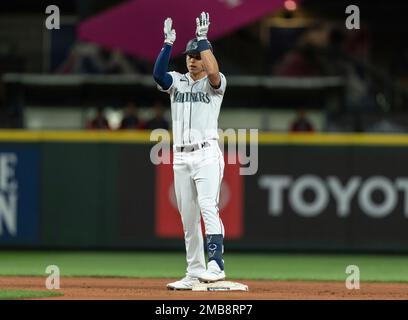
213,273
184,284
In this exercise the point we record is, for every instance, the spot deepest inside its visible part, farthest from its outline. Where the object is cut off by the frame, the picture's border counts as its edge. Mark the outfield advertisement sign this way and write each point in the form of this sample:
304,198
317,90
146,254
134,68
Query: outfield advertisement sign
143,20
329,198
19,195
110,195
167,218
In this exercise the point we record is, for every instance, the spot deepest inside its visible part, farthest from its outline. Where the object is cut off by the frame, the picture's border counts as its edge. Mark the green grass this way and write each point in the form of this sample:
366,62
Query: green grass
26,294
238,266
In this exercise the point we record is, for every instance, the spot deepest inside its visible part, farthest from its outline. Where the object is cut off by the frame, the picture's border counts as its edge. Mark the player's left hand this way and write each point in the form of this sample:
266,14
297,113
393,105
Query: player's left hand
203,23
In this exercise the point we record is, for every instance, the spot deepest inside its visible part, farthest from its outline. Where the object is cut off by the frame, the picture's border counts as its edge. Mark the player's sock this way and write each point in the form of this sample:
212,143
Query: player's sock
215,249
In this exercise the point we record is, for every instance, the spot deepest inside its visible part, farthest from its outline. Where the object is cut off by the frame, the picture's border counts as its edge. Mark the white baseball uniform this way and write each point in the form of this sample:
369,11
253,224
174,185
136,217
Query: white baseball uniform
195,106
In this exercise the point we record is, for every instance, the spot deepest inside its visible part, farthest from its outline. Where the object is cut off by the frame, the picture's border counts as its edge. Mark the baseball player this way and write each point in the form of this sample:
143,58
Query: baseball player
198,165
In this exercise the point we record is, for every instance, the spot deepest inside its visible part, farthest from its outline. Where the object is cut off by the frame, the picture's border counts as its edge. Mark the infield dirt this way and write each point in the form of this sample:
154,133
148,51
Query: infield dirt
155,289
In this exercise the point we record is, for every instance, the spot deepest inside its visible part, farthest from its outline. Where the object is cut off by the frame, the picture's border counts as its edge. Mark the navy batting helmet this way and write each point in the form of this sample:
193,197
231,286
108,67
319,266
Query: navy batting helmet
192,47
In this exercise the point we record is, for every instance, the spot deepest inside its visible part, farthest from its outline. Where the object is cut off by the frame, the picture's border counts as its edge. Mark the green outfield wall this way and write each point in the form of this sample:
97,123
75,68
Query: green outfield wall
101,190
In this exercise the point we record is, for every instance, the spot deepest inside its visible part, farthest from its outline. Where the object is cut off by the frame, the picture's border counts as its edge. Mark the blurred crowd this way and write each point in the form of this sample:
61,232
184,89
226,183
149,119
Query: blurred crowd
88,58
130,119
323,49
316,47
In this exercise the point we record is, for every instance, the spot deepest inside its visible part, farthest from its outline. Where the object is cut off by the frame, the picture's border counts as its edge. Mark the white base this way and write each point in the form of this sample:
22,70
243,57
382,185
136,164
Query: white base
220,286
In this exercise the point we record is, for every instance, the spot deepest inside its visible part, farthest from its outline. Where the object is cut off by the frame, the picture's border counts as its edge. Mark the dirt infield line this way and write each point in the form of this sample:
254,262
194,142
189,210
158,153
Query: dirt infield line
155,289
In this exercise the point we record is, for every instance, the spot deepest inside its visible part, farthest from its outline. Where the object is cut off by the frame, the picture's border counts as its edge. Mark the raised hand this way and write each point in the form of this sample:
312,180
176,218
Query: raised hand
203,23
169,33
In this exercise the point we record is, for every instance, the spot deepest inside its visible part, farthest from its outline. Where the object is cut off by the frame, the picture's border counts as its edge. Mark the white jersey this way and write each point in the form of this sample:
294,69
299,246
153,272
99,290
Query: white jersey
195,106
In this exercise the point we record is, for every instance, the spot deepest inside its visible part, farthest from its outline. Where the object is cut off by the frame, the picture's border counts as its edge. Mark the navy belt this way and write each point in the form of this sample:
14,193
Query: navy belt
193,147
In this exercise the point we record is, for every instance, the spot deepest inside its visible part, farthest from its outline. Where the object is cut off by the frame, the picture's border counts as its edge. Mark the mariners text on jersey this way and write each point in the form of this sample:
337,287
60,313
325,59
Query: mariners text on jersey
191,97
195,107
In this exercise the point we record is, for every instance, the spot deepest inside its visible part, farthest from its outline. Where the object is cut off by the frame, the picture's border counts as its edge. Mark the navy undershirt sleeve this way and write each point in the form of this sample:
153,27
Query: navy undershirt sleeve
160,74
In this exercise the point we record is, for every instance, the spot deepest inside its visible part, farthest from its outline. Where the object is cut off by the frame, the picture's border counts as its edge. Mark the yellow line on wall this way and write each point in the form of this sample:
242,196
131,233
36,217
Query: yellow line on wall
75,136
143,137
334,139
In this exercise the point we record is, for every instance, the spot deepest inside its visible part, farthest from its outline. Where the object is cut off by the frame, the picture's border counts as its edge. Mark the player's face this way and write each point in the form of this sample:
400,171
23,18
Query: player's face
194,63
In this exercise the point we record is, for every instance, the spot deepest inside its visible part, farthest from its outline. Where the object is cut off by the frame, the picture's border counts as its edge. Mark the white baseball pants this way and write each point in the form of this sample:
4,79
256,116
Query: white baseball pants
197,182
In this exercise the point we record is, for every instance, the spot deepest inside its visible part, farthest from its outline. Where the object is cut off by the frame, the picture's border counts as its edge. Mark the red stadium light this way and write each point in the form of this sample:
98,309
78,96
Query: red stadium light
290,5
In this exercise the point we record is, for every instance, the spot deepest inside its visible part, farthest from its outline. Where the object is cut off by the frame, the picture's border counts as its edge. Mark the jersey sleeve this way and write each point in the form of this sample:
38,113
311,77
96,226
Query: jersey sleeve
175,76
221,89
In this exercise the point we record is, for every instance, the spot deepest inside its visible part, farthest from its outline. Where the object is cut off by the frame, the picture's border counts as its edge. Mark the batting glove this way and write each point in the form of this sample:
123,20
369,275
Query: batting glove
169,33
202,26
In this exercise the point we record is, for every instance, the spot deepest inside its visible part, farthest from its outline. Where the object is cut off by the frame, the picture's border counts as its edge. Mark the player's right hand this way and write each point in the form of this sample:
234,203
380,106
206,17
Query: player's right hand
169,33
